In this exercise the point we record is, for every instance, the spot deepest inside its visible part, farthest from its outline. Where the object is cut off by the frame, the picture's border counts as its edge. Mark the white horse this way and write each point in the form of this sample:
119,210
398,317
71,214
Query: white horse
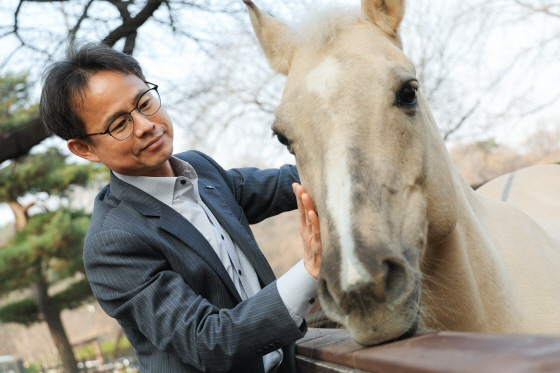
407,244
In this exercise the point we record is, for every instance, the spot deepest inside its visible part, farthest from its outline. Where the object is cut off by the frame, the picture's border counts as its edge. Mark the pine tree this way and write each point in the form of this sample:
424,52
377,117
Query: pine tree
15,107
47,246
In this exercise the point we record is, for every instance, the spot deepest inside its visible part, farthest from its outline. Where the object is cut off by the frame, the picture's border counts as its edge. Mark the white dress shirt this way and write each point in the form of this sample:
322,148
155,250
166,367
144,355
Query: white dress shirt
297,287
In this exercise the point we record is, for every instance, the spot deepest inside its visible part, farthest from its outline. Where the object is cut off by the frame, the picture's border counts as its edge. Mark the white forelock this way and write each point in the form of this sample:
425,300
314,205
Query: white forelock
320,24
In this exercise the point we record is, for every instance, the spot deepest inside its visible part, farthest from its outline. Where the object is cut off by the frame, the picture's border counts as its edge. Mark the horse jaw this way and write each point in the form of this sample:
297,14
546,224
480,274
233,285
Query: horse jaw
441,183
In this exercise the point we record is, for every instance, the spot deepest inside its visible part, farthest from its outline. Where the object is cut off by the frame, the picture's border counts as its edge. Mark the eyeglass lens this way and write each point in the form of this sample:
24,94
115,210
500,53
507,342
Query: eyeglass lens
123,125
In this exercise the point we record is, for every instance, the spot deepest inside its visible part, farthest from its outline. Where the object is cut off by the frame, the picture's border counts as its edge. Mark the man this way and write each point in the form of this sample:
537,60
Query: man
169,252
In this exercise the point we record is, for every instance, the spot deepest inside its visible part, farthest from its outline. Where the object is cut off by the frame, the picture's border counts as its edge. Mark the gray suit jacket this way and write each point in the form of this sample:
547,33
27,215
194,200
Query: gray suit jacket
159,277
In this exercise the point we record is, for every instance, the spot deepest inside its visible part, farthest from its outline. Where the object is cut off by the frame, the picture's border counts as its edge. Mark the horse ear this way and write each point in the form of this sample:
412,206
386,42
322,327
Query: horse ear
386,14
272,36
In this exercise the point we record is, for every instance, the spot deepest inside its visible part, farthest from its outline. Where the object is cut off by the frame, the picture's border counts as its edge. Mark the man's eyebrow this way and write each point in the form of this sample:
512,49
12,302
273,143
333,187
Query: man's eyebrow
139,94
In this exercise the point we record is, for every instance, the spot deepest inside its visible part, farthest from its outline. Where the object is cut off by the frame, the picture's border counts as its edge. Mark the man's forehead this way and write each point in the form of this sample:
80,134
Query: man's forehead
106,95
104,82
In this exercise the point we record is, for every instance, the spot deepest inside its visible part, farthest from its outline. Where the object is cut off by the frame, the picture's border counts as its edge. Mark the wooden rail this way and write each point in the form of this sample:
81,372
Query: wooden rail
334,351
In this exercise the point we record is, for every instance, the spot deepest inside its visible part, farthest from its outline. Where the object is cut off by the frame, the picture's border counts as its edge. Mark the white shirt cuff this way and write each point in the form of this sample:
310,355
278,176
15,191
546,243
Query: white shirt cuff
298,290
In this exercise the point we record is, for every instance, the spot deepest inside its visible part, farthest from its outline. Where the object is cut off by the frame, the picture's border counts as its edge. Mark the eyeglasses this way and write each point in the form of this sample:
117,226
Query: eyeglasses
122,126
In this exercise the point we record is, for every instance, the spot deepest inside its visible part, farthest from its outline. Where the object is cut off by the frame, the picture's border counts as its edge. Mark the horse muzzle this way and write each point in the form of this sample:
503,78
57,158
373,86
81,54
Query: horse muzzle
381,306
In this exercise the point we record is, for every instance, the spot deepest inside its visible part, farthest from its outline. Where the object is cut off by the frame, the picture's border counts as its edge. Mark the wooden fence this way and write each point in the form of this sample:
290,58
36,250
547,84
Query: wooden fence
334,351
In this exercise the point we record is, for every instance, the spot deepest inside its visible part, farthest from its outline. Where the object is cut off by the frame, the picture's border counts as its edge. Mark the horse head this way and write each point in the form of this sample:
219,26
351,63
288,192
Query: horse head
369,154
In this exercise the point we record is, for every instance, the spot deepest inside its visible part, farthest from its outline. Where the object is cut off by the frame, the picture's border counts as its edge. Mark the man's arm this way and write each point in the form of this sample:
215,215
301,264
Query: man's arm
135,285
261,193
265,193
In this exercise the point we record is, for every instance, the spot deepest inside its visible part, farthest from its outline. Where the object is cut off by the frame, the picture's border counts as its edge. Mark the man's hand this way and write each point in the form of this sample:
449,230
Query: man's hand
309,229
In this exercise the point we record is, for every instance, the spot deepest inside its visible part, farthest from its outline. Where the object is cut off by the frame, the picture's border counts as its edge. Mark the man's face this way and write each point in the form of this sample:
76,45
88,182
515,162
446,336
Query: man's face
146,151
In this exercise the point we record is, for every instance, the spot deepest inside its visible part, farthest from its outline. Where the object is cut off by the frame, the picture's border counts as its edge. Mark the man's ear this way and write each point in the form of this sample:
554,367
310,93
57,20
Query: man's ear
82,149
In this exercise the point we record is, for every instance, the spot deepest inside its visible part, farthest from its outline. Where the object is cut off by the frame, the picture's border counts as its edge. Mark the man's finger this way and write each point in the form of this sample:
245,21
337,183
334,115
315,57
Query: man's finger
297,191
308,206
314,219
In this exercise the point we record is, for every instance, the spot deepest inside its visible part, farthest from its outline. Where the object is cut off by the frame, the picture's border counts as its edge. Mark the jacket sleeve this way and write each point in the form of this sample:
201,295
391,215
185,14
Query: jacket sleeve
261,193
135,284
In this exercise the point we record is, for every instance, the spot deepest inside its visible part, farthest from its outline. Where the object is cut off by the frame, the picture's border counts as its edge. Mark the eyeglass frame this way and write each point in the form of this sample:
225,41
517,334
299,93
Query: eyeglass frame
154,88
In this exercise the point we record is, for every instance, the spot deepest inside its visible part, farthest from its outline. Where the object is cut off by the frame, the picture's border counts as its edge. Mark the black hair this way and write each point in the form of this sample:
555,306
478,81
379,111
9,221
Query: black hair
65,81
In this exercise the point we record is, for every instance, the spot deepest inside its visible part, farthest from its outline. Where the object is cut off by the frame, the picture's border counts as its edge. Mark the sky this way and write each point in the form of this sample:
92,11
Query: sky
437,30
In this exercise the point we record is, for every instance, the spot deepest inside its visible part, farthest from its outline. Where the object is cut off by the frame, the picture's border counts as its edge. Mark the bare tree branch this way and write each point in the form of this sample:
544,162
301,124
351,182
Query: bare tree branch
16,30
130,42
462,120
171,18
223,8
122,7
131,25
7,59
74,30
16,14
546,9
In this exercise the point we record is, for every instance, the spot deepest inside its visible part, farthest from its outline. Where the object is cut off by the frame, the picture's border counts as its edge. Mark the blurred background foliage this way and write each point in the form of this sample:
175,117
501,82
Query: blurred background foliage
16,106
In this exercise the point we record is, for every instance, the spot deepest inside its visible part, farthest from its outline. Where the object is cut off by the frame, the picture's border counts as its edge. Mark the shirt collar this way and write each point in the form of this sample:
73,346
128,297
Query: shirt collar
163,188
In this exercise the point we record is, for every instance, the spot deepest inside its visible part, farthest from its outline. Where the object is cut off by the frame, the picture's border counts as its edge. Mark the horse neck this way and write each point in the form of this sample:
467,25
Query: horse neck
466,287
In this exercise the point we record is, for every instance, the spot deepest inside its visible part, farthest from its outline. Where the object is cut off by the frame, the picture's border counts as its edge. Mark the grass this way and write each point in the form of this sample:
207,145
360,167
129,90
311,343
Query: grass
87,352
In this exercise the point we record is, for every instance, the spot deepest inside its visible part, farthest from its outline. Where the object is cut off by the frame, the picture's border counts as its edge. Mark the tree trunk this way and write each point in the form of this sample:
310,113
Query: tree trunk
52,317
20,212
117,345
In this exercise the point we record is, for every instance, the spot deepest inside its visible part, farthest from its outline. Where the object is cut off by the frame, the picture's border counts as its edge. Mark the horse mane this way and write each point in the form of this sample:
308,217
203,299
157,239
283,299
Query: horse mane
320,25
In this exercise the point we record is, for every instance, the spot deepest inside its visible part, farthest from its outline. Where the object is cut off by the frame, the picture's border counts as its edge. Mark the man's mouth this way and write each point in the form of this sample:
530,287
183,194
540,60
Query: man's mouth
153,142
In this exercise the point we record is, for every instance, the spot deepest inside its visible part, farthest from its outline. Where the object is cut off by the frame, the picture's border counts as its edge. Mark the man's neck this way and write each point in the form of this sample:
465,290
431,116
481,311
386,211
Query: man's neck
164,170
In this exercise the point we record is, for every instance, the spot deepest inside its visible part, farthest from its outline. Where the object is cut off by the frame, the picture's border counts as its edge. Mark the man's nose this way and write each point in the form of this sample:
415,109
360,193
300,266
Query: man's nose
142,123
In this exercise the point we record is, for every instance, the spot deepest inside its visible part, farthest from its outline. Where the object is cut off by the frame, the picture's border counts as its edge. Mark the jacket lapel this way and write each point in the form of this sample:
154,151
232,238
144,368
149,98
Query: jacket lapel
235,229
172,222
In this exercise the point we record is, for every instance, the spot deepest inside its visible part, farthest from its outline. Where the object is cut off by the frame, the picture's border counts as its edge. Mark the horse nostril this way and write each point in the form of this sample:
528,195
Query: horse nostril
395,277
328,300
323,289
385,286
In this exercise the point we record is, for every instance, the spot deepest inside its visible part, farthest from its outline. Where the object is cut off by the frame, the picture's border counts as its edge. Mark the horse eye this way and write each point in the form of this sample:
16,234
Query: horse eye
408,95
283,140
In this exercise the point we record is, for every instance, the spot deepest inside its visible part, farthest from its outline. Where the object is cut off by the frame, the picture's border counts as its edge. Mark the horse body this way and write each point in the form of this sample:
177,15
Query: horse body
406,243
496,272
533,190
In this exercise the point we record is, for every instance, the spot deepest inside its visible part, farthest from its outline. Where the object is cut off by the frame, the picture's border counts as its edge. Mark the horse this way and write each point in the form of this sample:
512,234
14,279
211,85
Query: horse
408,246
533,190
